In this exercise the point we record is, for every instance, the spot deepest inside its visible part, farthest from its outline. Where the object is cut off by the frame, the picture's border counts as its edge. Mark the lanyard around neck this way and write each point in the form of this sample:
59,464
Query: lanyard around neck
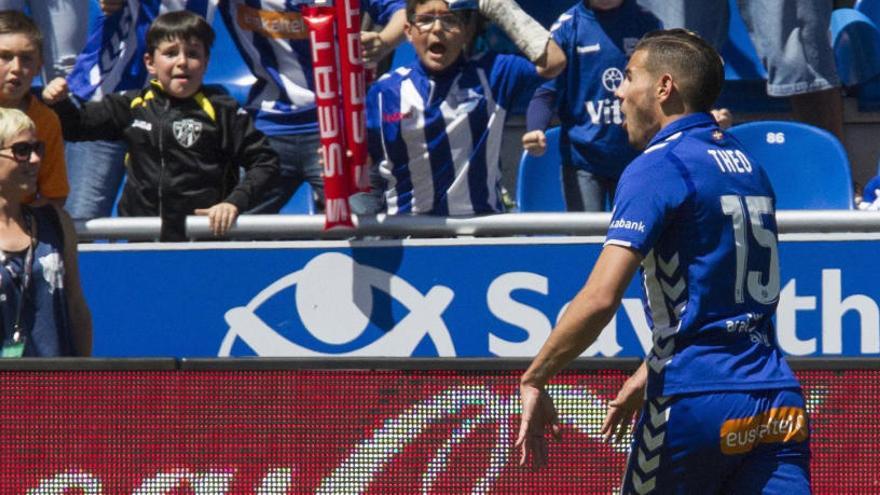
28,269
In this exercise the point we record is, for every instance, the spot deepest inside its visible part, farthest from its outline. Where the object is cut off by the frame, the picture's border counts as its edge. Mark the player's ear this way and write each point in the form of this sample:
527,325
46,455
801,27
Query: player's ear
664,87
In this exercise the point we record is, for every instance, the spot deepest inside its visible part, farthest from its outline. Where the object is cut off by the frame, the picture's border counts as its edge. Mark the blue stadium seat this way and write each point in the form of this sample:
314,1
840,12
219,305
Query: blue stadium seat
807,166
856,43
539,181
301,203
869,92
226,66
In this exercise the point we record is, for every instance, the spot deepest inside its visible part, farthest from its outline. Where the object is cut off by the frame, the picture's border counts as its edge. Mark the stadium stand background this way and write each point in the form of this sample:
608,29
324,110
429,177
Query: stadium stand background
744,95
744,89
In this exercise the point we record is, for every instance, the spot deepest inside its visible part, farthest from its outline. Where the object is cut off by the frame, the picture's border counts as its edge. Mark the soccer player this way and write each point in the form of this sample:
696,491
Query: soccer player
721,412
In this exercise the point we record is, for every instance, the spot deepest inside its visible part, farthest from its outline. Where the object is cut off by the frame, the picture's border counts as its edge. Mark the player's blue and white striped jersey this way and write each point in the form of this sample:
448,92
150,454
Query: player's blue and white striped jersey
274,42
597,45
113,58
701,212
437,138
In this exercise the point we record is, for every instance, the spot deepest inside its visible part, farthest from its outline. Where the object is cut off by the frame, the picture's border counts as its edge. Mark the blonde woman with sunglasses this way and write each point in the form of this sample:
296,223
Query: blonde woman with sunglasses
42,309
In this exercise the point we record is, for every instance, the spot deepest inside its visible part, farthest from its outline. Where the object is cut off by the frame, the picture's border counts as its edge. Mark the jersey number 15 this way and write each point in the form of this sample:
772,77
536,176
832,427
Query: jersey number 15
746,212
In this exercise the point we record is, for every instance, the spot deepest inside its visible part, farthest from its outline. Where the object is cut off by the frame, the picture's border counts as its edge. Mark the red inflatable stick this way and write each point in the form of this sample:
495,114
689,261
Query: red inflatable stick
351,70
336,183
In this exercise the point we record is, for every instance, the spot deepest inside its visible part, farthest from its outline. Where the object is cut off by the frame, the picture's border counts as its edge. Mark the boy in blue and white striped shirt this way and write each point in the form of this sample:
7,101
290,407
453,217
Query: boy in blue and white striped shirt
434,127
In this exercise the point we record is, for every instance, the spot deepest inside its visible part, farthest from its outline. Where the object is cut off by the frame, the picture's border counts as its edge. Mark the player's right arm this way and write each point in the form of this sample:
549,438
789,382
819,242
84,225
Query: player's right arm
580,326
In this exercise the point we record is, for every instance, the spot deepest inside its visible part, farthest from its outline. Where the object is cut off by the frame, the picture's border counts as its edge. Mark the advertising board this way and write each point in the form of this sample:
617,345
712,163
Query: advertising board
429,298
353,431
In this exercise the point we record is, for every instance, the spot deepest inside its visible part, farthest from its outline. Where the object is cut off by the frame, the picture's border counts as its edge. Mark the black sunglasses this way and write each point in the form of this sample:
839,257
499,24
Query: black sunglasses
22,151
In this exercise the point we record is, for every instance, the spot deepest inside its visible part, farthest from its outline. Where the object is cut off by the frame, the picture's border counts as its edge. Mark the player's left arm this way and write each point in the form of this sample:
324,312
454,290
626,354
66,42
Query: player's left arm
580,325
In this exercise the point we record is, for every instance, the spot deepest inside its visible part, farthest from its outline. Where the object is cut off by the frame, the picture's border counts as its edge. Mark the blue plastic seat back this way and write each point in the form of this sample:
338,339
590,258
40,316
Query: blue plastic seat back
856,42
807,166
301,203
226,66
539,181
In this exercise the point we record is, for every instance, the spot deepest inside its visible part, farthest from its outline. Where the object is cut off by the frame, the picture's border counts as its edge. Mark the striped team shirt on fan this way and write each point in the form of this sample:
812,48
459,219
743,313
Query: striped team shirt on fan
701,212
113,58
273,40
437,138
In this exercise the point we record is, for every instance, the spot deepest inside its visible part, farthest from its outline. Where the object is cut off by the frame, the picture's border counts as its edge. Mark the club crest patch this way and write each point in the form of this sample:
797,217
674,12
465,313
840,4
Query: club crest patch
187,131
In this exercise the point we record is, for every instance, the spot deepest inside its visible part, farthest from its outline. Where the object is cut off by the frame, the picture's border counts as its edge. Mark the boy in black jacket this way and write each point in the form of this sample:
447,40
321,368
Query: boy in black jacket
186,142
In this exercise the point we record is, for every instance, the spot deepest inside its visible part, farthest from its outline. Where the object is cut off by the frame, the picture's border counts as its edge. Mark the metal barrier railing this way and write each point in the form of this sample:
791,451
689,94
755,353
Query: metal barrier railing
505,224
348,363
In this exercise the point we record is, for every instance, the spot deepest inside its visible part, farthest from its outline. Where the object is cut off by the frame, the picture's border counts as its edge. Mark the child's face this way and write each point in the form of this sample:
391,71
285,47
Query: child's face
19,64
179,65
438,35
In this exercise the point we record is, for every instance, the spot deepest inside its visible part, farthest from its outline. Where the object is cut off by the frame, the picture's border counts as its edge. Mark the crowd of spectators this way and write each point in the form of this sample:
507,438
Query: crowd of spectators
435,125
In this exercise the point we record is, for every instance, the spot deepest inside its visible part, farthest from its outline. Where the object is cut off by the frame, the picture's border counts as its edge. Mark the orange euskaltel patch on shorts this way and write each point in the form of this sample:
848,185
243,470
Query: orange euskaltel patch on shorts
782,424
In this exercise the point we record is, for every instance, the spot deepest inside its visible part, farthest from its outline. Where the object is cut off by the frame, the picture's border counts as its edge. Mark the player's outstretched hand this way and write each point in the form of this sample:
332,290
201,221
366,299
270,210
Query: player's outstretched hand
538,418
55,91
623,409
220,217
374,47
535,142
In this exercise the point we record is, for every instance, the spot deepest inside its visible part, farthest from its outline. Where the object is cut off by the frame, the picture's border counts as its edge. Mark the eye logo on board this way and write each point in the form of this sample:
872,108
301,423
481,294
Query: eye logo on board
334,299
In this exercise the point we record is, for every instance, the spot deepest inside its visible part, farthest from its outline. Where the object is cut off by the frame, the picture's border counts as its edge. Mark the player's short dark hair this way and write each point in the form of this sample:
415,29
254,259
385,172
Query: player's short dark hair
179,25
15,22
696,67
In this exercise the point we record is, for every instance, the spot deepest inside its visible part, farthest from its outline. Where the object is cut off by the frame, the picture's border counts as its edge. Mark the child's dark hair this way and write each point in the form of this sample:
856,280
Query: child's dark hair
180,24
466,15
15,22
411,6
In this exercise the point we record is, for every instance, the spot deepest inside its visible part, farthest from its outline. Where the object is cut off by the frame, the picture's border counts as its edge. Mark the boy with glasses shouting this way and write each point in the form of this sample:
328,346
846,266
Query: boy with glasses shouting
434,127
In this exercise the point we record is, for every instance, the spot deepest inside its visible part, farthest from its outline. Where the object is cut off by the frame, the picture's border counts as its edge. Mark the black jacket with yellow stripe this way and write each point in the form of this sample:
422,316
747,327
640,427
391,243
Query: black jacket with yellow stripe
183,154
